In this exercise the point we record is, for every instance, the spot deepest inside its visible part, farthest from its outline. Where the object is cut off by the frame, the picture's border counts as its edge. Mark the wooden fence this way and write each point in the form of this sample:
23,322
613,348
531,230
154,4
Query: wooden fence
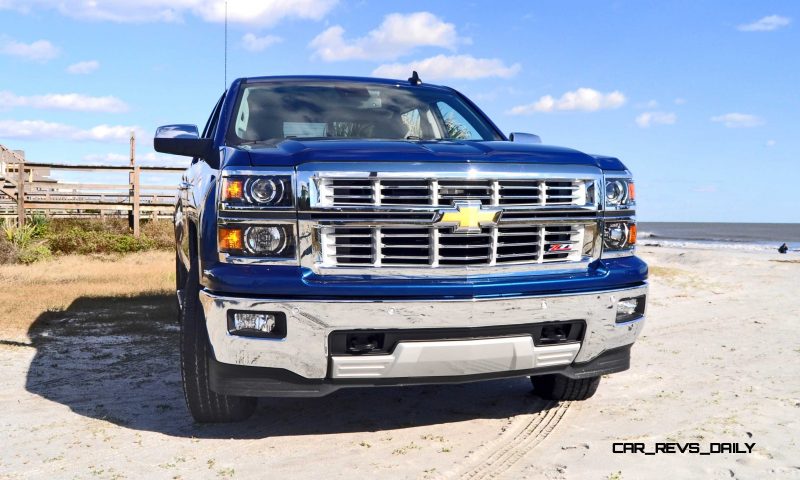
27,188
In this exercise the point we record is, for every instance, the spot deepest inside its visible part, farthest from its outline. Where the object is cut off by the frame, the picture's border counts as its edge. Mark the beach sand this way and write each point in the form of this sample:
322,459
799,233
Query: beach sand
717,362
93,390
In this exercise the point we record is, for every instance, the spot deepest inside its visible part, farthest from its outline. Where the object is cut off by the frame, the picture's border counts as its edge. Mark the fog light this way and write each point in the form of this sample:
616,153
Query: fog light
630,308
263,322
258,324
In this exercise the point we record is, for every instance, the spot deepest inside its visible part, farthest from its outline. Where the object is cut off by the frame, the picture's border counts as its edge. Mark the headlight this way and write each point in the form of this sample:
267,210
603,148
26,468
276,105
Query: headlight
265,240
258,191
619,192
619,235
271,241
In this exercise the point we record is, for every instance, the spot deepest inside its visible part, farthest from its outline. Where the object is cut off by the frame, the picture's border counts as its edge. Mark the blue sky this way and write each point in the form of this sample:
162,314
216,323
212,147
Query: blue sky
699,99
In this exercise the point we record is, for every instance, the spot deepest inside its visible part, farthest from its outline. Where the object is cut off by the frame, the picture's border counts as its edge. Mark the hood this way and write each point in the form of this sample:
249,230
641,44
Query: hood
296,152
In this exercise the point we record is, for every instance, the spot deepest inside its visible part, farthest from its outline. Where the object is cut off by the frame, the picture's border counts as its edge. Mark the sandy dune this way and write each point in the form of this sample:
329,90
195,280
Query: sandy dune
93,391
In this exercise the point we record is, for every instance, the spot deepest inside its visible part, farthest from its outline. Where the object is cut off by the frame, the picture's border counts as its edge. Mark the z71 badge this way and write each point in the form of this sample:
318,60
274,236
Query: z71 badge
559,247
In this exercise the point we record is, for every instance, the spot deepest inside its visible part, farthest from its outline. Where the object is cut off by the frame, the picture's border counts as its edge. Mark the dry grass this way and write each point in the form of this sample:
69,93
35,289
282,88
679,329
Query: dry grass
667,273
27,291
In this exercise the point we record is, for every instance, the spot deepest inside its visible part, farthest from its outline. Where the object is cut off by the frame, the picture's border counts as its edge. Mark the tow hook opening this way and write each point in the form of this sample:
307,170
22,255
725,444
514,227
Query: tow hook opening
361,343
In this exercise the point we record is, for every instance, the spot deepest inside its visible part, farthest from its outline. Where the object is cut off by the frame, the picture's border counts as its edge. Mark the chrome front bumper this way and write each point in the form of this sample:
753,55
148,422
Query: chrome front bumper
304,351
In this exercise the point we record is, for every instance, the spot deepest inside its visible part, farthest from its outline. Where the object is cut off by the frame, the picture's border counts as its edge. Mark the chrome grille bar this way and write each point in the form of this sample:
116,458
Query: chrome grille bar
388,191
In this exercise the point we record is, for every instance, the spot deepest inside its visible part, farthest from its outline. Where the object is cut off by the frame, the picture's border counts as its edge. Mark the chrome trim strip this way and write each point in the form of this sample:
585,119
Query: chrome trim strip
467,271
628,252
305,349
395,209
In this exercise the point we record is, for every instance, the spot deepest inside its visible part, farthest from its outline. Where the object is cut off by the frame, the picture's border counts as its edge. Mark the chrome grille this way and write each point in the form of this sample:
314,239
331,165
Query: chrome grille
380,191
439,246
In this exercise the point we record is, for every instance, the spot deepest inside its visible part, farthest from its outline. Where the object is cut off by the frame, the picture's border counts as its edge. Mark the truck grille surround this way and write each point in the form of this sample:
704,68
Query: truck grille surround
479,218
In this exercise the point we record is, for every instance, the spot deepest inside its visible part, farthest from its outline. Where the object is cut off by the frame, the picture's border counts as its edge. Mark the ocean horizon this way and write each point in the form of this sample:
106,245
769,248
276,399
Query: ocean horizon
745,236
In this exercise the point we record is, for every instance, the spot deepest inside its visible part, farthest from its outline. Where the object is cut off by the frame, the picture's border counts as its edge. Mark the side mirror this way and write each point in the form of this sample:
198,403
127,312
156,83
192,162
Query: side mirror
181,140
520,137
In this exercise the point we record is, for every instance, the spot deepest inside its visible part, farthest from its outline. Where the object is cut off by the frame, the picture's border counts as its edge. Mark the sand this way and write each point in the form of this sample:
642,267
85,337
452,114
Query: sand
93,391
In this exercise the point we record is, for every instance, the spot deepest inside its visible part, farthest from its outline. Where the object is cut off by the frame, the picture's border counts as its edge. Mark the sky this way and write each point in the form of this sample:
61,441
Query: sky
699,99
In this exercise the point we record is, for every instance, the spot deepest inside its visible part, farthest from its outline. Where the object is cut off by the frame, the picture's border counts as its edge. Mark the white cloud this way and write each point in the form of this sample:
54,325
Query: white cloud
149,158
41,130
647,119
766,24
454,66
649,104
398,35
680,101
39,51
771,143
583,99
108,133
253,43
738,120
83,68
64,101
263,13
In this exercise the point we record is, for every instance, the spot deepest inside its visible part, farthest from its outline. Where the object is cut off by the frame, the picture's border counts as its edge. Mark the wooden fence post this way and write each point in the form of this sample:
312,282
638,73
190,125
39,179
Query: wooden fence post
133,216
136,195
21,194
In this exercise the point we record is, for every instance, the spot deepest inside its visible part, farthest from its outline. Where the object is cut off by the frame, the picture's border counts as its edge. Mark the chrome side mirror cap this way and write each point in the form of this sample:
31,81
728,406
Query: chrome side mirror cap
520,137
177,131
181,140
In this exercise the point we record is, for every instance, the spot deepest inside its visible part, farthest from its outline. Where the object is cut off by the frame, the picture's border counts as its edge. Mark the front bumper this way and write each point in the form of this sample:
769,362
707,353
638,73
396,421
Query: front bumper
304,353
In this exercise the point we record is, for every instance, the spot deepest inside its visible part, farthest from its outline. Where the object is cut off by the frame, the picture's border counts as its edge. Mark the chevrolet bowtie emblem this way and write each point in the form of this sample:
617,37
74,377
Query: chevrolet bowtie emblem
468,217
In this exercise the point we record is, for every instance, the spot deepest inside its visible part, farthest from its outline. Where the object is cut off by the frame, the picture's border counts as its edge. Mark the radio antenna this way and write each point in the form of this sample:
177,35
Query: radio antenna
225,86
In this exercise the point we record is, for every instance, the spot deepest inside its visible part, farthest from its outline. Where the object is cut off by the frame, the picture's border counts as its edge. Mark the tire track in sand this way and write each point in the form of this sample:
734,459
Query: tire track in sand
526,431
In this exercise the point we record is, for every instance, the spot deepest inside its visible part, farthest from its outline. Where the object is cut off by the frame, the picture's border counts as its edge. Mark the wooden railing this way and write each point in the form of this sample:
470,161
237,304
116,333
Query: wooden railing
43,192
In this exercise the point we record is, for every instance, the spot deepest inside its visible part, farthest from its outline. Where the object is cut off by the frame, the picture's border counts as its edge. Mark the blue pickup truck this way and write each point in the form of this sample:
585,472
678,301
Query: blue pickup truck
349,232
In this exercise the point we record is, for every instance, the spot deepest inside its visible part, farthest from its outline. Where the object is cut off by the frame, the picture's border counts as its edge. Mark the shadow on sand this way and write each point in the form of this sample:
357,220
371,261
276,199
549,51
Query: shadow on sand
116,359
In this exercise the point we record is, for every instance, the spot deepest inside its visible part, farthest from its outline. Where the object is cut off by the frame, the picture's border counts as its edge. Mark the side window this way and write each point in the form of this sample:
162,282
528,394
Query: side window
211,123
456,127
420,123
243,115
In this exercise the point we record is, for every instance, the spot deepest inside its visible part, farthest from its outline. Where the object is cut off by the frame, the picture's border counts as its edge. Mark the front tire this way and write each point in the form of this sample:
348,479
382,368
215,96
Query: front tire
205,405
559,387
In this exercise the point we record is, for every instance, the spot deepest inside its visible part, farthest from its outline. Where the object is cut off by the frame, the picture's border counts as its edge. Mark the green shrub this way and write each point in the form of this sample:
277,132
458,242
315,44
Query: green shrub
34,253
40,238
78,240
20,237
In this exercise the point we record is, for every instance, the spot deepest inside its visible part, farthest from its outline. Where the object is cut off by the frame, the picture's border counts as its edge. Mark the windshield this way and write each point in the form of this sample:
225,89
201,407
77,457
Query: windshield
275,111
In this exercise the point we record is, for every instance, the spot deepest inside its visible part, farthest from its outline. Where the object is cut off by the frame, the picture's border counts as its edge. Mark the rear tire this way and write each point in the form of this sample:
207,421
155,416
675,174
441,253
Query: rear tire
559,387
205,405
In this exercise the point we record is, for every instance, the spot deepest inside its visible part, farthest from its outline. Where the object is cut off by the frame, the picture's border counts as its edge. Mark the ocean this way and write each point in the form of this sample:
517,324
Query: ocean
743,236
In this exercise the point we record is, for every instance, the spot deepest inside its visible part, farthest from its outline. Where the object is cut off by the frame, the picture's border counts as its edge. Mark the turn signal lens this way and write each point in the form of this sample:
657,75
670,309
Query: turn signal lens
234,190
631,192
631,234
230,239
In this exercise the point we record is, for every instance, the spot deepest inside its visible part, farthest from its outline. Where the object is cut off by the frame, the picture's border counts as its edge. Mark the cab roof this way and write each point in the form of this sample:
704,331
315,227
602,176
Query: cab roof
343,79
